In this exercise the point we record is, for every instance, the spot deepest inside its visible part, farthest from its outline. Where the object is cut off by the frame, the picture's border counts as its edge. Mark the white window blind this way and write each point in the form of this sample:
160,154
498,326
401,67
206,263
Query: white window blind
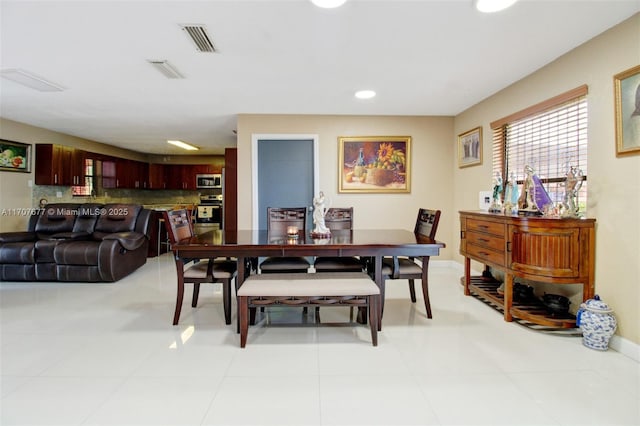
550,137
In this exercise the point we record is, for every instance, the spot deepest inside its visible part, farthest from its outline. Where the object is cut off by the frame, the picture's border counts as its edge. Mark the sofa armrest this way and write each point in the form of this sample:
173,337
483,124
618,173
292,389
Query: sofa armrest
17,237
70,236
128,240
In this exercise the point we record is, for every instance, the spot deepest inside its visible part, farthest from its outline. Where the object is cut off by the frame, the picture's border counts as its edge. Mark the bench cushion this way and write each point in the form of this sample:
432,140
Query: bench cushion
325,284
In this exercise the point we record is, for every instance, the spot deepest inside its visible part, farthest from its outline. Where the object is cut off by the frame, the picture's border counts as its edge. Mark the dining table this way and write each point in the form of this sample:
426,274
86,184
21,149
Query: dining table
245,245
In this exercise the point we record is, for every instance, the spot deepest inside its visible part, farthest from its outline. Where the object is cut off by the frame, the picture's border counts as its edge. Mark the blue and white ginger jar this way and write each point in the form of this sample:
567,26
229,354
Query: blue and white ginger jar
597,322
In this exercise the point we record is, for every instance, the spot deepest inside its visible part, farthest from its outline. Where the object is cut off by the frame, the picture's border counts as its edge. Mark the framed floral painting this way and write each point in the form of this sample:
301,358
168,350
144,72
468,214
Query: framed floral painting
376,164
15,156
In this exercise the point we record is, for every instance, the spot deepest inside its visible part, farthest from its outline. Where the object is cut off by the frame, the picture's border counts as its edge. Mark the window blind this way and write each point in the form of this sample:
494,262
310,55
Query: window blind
550,137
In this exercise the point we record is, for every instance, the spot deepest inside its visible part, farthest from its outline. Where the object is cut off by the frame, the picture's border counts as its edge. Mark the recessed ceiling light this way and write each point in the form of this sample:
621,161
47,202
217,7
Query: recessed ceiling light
328,4
489,6
365,94
183,145
30,80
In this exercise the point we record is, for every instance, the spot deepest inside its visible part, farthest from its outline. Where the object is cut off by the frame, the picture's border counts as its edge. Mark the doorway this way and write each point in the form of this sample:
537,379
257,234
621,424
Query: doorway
284,173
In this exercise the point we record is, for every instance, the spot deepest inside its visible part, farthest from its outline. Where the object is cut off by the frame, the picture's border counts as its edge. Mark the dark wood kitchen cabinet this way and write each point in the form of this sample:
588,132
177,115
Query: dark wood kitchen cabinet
157,176
53,165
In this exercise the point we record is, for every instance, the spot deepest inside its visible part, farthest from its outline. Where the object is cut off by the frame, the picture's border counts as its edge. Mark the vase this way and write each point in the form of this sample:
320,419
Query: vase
597,322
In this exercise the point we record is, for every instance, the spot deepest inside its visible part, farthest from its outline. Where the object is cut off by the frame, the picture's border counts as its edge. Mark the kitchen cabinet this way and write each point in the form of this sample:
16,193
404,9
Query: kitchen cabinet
78,167
52,165
131,174
538,249
157,176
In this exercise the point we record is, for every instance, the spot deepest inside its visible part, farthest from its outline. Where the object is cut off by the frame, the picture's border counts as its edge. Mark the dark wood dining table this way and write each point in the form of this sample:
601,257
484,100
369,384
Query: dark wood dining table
248,244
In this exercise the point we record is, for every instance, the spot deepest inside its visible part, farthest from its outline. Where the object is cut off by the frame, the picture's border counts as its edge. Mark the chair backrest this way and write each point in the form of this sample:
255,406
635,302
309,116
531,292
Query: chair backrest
427,222
178,224
339,218
278,219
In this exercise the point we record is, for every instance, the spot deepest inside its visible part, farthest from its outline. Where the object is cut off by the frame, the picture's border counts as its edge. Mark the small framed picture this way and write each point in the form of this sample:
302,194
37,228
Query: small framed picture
15,156
470,148
627,100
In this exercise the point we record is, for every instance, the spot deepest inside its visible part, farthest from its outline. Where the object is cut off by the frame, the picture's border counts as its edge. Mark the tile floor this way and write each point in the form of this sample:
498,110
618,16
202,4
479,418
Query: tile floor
107,354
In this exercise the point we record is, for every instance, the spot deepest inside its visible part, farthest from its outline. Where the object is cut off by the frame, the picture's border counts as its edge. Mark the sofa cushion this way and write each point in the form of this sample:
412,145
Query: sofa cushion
44,250
75,273
56,218
88,215
116,218
17,253
76,253
17,272
15,237
46,272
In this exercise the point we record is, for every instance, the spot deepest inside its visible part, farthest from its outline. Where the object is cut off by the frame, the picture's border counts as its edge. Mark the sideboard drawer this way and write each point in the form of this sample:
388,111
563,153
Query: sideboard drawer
485,240
485,255
493,228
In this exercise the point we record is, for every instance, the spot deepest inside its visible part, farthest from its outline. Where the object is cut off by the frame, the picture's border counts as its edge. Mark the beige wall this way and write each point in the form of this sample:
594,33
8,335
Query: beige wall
614,198
430,170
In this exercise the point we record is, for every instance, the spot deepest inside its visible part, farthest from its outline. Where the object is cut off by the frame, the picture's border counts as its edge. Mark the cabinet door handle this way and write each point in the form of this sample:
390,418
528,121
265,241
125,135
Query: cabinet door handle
483,240
484,253
508,246
462,235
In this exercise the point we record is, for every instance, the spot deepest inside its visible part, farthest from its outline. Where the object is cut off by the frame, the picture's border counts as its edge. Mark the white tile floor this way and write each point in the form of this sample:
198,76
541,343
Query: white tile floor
107,354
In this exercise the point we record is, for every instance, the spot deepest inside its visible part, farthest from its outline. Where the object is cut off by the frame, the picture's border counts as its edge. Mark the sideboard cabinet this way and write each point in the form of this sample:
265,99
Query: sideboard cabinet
556,251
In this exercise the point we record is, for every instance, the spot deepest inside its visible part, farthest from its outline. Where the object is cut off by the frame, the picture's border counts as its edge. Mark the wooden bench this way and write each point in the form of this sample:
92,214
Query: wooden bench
327,289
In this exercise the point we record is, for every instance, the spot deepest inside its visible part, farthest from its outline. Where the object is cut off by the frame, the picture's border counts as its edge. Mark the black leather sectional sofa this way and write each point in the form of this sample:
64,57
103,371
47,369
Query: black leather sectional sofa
77,242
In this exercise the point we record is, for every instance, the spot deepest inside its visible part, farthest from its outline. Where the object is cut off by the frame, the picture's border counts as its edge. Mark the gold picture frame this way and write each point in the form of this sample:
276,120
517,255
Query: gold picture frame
470,148
374,164
627,106
15,156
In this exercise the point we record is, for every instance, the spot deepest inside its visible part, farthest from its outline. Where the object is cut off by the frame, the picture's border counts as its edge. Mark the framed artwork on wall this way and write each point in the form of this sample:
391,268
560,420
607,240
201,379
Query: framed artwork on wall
15,156
627,100
377,164
470,148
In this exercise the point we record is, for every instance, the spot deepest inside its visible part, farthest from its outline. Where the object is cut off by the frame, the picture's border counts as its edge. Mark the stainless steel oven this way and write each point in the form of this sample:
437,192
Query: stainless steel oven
209,211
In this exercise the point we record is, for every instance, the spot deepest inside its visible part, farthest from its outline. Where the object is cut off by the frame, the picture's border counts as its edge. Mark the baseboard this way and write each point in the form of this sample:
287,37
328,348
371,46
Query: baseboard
625,347
619,344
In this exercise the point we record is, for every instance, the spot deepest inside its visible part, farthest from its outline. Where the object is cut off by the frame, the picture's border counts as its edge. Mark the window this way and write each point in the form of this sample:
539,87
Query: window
88,179
550,137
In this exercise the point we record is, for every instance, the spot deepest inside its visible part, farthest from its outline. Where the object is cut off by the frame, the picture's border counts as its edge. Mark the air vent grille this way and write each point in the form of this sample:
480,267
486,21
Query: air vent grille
165,68
198,35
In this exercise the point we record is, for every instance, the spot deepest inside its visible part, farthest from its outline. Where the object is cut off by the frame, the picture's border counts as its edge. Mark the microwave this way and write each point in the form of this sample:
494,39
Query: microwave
208,181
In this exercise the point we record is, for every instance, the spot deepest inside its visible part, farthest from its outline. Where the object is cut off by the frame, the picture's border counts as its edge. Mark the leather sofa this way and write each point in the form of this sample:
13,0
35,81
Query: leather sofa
77,242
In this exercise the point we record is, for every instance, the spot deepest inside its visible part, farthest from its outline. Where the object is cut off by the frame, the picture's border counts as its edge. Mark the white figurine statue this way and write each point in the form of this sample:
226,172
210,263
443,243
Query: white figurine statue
572,185
319,211
511,195
496,202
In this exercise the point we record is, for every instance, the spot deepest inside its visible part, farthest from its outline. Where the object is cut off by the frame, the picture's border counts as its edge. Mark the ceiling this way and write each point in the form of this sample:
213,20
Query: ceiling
273,57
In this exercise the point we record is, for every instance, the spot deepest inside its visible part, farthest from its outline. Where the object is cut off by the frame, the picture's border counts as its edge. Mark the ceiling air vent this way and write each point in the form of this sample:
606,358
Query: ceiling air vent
165,68
198,35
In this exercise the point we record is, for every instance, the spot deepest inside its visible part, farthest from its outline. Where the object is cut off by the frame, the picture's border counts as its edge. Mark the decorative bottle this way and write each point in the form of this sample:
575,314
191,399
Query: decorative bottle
359,168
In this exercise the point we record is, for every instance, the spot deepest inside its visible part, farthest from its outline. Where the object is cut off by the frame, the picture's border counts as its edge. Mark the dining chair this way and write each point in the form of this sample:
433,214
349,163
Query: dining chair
338,218
278,222
406,268
197,271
